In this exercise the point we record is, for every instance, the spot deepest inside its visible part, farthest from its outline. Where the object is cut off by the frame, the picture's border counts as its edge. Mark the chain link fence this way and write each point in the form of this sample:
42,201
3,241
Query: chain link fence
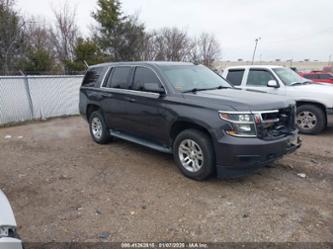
24,98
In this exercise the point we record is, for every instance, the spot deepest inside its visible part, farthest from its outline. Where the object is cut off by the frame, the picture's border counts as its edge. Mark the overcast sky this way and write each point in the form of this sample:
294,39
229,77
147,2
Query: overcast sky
290,29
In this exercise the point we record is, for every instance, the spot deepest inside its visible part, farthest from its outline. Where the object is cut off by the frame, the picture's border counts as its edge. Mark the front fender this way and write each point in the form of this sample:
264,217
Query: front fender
7,217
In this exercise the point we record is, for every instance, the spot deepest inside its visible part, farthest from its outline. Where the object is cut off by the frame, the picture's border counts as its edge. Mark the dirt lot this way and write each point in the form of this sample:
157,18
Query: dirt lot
64,187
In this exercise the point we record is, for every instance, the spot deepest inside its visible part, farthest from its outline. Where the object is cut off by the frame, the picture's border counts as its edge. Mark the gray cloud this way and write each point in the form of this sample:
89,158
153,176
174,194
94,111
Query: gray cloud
295,29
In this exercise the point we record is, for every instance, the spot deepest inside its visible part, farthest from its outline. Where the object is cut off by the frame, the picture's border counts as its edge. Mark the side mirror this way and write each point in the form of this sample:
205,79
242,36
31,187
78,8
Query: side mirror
273,83
153,87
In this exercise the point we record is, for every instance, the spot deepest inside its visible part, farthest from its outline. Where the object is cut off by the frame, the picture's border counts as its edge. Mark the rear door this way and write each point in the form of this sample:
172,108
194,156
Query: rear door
115,102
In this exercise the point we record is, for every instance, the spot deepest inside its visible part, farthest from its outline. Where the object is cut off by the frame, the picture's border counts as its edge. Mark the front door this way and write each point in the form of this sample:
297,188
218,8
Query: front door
257,79
145,107
115,102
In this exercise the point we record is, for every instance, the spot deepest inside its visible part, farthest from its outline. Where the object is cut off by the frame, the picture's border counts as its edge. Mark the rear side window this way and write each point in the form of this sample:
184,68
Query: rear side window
310,76
120,77
258,77
94,76
143,75
235,76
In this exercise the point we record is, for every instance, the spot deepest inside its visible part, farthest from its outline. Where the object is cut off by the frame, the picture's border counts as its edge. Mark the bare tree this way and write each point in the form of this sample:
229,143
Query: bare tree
176,44
39,51
7,4
149,50
168,44
65,32
39,35
11,36
173,44
207,49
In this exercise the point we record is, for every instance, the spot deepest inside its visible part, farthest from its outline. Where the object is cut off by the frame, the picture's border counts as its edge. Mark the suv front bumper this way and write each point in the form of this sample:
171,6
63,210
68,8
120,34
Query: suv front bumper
10,243
241,156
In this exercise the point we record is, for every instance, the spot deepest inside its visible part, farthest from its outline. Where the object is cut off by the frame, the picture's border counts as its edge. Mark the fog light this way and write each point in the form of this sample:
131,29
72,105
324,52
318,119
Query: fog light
246,128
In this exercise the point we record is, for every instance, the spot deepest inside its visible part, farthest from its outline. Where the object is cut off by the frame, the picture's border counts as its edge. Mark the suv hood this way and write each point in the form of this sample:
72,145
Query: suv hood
241,100
6,213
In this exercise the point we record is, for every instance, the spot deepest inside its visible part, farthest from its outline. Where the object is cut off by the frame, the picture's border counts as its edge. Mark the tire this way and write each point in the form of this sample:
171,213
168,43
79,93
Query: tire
98,128
194,167
310,119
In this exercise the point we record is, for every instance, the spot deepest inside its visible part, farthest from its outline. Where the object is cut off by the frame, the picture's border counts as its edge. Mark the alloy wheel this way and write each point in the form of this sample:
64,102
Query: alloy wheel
190,155
306,120
97,127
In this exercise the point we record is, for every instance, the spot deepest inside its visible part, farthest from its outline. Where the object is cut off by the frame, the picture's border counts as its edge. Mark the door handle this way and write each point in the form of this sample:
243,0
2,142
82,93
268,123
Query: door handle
130,100
107,95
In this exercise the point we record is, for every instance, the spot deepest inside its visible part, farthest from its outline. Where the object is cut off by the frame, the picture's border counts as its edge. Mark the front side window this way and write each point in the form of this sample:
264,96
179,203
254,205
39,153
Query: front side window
235,76
259,77
188,77
144,75
119,77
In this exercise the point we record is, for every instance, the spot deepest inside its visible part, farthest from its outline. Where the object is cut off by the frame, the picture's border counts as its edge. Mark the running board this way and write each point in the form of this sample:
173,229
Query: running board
140,141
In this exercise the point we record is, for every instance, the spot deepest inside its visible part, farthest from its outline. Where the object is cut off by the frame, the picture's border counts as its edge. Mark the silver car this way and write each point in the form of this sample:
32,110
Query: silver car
8,235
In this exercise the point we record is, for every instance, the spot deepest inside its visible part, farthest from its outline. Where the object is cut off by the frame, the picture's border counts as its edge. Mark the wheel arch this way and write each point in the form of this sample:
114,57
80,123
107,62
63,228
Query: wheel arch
90,109
180,125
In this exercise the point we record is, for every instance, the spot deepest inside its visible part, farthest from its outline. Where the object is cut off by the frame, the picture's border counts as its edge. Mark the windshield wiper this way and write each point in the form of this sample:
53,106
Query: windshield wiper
222,87
300,83
194,90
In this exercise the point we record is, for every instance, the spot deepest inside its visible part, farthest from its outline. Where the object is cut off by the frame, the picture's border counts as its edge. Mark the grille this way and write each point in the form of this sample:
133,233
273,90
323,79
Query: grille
276,124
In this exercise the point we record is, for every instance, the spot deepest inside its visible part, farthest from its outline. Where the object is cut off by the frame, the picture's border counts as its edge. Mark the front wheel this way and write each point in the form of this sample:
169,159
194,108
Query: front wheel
194,155
310,119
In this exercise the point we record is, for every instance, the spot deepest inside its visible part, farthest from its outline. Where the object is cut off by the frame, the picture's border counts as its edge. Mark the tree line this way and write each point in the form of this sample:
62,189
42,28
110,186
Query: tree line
34,46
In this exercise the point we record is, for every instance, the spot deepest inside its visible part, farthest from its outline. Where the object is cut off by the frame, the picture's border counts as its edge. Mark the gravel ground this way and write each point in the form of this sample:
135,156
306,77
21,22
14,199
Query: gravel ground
64,187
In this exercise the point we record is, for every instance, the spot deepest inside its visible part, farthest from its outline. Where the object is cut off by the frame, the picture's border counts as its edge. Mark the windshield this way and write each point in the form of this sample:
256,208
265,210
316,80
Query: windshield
188,77
288,76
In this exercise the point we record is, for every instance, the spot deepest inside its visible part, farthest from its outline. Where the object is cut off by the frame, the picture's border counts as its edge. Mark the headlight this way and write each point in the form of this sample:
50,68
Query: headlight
242,124
7,231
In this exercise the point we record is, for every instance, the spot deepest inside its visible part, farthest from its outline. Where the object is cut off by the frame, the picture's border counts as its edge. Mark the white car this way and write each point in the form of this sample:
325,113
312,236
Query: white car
314,101
8,235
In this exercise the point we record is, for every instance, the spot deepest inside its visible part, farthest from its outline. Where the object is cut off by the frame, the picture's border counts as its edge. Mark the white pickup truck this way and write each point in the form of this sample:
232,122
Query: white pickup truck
8,235
314,101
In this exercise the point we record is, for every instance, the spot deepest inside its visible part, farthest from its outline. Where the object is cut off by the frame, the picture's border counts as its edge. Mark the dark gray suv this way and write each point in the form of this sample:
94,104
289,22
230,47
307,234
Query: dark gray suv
190,111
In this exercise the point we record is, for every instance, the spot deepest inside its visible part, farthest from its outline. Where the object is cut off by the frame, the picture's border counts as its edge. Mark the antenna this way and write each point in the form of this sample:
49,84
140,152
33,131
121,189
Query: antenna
85,63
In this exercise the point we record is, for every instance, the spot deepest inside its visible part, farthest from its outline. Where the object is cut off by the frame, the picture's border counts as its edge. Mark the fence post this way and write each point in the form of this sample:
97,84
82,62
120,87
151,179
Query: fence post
27,88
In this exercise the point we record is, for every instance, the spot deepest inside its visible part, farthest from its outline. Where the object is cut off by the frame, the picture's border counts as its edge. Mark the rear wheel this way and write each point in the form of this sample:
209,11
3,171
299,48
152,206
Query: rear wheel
193,154
310,119
98,128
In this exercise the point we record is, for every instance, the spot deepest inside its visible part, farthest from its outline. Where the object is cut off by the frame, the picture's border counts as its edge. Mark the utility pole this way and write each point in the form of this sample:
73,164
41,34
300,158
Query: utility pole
255,48
329,60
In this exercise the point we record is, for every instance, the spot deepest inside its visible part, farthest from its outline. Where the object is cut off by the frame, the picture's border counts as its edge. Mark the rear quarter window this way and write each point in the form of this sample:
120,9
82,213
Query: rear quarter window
235,76
94,77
